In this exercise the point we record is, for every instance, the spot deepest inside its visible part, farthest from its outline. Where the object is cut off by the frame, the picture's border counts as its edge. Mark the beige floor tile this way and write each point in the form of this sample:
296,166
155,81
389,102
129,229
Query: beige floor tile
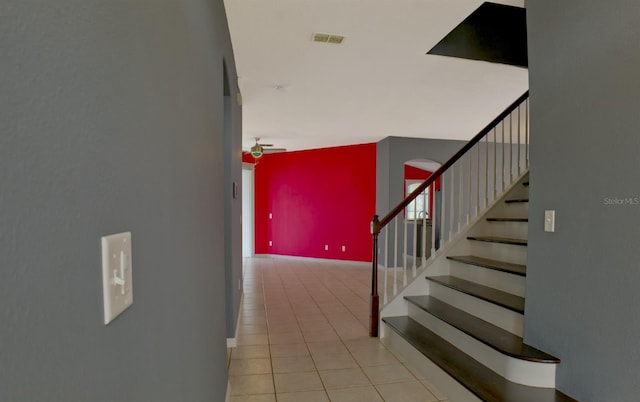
254,398
374,357
321,336
388,374
289,350
252,339
283,328
406,392
344,378
296,364
334,361
434,390
252,329
286,337
249,366
250,352
314,316
315,325
295,382
364,343
331,347
355,394
306,396
251,384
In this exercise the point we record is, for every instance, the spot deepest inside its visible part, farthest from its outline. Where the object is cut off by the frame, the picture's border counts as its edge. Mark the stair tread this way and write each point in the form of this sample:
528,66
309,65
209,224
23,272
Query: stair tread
517,200
526,184
517,269
491,295
495,337
504,240
478,379
508,219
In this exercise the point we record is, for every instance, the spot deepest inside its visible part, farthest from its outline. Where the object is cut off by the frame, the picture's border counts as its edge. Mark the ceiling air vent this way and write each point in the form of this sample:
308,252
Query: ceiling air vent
328,38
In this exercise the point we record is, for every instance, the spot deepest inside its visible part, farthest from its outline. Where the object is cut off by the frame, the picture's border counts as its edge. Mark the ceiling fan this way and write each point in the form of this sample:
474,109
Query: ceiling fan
259,149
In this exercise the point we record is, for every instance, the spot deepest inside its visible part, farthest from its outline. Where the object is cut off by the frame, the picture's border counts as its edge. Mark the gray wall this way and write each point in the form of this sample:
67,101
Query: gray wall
112,121
392,153
583,280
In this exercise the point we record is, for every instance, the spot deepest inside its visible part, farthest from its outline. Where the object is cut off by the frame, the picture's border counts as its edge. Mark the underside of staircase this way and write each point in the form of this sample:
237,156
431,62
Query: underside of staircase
468,323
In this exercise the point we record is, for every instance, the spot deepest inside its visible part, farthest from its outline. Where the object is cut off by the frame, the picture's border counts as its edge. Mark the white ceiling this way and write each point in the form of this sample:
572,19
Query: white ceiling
300,94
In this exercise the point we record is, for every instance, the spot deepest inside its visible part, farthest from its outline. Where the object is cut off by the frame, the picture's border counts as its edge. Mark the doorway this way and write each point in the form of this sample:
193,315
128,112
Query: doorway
247,211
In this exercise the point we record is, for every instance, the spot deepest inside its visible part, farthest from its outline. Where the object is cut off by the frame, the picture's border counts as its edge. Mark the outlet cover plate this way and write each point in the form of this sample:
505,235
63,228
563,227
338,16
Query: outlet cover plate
117,285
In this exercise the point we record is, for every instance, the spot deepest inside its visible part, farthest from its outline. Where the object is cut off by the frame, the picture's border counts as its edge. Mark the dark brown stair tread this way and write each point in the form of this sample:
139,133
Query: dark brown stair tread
478,379
508,219
491,295
504,240
517,200
517,269
495,337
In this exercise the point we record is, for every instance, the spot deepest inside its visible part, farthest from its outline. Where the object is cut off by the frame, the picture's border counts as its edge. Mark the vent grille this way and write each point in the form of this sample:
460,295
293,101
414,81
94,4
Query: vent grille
328,38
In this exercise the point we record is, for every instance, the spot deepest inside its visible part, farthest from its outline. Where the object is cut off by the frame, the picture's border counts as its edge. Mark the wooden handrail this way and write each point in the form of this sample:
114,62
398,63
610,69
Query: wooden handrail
403,204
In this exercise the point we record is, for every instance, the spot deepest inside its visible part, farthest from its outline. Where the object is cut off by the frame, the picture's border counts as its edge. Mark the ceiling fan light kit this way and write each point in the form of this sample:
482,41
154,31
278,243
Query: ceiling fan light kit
258,149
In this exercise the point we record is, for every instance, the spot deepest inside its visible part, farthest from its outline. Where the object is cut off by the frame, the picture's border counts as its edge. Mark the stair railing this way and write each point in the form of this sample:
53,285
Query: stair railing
460,190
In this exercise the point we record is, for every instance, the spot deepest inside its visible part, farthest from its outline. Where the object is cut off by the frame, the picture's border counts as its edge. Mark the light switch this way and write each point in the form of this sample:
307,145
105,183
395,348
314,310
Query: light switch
117,287
550,221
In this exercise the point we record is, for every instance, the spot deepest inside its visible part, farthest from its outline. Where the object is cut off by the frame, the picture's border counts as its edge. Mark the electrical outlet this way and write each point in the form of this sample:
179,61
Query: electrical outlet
117,286
326,247
344,248
270,243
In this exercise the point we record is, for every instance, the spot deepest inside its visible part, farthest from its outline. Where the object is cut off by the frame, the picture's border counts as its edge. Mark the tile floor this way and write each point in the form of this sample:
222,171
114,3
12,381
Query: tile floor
303,337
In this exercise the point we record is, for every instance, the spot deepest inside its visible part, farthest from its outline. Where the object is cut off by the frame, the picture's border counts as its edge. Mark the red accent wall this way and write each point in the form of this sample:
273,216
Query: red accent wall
247,158
316,197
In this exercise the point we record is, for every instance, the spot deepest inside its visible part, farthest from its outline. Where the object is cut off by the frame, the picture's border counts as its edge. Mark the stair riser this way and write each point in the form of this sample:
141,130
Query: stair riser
516,370
452,389
516,230
497,251
498,316
510,283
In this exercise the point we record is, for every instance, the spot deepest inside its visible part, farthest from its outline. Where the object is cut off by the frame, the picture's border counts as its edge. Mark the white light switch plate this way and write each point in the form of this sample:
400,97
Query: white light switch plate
117,286
550,221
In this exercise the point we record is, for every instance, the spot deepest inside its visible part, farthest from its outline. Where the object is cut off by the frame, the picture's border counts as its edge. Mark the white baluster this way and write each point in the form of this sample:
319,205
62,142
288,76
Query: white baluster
434,217
395,259
511,148
460,194
469,190
452,201
404,256
478,180
386,262
415,237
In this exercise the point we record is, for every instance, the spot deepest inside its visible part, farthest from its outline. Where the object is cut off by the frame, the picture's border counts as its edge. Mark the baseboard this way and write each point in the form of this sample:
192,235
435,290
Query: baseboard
327,260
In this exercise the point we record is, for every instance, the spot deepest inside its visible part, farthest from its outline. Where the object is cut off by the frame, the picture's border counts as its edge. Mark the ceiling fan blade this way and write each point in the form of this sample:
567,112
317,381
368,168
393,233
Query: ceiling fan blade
266,145
273,150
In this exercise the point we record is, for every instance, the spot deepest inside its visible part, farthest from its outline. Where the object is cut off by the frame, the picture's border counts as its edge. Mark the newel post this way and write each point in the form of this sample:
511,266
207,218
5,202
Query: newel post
375,300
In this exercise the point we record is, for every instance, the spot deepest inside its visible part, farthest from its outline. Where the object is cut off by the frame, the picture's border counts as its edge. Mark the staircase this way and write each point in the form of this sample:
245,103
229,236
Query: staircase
468,321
